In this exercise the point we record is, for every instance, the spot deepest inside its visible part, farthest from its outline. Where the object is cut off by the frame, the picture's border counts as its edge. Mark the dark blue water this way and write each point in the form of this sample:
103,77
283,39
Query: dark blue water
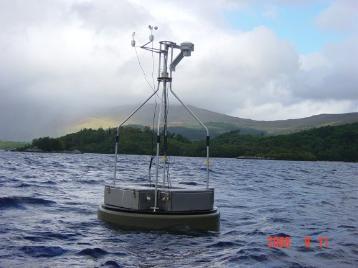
48,206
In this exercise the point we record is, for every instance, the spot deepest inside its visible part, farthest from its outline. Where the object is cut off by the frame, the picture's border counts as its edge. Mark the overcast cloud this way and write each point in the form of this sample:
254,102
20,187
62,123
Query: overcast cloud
62,60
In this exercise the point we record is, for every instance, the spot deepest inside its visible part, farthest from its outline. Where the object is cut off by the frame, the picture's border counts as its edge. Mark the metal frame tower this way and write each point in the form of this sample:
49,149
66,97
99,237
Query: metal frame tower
166,66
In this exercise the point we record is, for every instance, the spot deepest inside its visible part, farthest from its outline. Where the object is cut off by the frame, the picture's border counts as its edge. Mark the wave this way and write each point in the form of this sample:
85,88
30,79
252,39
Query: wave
20,201
223,244
43,251
111,263
93,252
246,257
22,185
90,181
45,236
188,183
48,182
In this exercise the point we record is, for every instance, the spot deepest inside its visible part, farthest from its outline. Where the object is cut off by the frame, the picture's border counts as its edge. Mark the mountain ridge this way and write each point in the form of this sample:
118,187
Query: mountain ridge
180,122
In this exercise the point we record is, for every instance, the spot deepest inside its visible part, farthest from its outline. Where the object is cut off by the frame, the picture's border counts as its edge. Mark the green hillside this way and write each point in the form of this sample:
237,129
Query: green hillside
332,143
133,140
339,143
8,145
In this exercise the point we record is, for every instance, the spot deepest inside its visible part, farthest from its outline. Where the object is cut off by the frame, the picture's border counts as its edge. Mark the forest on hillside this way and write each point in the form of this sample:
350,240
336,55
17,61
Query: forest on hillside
331,143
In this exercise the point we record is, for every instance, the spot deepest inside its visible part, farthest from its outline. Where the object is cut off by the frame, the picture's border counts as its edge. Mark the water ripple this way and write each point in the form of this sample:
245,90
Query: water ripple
21,201
48,206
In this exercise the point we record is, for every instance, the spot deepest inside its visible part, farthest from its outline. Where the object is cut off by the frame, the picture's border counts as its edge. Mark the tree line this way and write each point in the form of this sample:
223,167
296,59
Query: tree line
331,143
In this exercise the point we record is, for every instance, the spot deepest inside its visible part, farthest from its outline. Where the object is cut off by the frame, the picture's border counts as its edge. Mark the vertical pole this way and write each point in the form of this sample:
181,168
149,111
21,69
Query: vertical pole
158,138
167,95
207,161
116,157
165,141
157,159
165,138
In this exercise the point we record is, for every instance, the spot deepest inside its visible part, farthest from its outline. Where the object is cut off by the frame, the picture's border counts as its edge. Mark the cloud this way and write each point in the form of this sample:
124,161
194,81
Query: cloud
112,15
330,74
236,67
298,109
64,60
340,16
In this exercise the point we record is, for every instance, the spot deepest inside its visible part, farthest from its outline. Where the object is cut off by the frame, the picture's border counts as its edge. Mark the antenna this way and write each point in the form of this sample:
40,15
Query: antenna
133,41
151,36
185,48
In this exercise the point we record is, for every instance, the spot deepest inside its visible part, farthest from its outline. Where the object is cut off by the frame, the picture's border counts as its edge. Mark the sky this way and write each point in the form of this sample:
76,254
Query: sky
63,60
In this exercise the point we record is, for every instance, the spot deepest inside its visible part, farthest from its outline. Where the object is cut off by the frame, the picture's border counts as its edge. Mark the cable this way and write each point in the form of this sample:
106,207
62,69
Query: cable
152,149
155,107
153,66
141,67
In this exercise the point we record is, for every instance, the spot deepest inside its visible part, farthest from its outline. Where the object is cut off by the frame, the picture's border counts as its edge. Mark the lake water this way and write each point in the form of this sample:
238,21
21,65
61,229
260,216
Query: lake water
48,205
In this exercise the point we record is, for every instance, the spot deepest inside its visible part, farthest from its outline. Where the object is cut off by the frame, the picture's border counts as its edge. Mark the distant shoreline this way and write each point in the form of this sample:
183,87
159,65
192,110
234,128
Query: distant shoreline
330,143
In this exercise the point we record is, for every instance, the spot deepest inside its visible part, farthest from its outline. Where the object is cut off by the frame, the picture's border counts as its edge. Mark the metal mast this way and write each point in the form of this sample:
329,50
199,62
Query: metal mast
166,66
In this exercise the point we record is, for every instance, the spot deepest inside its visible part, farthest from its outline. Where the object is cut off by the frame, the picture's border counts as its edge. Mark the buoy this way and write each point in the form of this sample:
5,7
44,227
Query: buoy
161,205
